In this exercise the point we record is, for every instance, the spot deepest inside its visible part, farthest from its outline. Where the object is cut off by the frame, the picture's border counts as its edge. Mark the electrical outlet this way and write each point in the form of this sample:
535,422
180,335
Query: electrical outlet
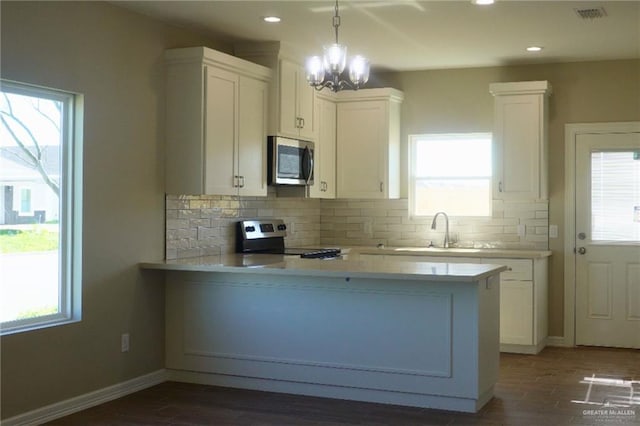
124,342
553,231
521,230
368,228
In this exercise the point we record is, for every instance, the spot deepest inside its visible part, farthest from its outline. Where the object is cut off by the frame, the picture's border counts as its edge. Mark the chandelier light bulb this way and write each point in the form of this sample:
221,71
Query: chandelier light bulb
315,70
359,70
335,58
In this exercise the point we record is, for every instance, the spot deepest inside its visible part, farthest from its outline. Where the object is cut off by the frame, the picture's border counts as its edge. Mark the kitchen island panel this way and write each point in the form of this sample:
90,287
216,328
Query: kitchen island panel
382,340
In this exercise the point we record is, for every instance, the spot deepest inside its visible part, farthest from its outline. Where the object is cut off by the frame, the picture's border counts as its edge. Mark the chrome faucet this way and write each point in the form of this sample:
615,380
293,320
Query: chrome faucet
446,232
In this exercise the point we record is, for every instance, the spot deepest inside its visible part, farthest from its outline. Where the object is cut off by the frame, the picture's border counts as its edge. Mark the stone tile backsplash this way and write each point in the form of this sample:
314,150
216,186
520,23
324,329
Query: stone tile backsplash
205,225
372,222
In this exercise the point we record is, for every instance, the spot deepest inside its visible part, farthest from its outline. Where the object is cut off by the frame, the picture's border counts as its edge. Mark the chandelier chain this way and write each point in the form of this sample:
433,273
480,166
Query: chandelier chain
336,21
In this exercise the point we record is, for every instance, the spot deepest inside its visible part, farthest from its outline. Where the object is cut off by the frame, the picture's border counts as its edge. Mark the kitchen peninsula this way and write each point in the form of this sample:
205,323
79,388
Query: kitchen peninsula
409,333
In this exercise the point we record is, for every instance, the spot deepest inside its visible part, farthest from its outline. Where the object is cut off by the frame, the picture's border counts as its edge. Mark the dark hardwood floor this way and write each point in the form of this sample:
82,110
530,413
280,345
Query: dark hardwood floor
560,386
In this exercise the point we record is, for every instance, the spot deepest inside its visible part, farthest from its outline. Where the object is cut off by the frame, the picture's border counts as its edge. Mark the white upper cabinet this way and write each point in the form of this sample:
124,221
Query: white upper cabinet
216,123
368,143
296,104
520,140
252,136
324,185
219,132
292,100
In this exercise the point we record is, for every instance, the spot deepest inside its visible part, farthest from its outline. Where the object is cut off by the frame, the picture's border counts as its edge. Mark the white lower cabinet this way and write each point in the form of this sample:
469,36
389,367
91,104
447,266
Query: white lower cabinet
523,304
516,310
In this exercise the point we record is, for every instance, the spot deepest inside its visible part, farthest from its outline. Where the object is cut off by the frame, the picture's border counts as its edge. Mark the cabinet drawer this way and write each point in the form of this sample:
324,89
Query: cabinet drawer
431,259
519,269
373,257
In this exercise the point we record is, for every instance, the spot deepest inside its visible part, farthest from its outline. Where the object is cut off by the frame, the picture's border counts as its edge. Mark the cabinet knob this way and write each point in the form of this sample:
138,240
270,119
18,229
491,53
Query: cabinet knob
381,186
500,186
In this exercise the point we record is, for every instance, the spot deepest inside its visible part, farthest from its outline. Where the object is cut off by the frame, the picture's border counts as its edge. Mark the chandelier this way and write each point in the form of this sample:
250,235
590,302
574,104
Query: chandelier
327,71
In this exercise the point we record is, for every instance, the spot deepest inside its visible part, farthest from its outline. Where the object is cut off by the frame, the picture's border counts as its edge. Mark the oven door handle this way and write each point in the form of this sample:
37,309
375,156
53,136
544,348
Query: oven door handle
307,165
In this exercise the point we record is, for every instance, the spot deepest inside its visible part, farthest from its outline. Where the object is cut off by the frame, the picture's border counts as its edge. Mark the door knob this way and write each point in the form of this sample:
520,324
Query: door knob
582,235
582,250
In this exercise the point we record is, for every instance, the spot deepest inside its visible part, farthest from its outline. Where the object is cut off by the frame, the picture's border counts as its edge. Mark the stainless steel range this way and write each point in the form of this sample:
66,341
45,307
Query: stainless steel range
267,236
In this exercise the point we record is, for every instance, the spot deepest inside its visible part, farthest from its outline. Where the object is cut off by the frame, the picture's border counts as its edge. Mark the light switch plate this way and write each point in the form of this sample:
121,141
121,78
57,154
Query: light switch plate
553,231
521,230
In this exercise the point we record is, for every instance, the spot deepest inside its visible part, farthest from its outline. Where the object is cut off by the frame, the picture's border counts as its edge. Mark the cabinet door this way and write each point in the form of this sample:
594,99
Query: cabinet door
324,185
518,150
220,127
289,99
361,156
516,312
306,108
252,137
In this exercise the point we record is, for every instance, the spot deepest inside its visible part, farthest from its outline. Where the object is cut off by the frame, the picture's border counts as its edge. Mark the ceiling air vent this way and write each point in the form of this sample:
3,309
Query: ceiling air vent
591,12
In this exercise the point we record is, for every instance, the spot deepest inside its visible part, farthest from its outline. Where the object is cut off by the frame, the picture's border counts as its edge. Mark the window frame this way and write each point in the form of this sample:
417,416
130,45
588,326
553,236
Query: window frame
412,178
70,215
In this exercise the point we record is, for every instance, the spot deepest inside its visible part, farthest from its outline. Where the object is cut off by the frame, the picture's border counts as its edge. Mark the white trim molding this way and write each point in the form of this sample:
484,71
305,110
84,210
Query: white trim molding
571,132
88,400
557,341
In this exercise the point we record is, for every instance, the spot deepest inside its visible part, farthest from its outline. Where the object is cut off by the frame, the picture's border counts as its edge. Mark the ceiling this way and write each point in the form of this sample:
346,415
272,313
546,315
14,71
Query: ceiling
411,35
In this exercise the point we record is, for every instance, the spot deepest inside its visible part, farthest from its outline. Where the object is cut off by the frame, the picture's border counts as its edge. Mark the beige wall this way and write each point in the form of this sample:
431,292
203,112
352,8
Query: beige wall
114,58
459,101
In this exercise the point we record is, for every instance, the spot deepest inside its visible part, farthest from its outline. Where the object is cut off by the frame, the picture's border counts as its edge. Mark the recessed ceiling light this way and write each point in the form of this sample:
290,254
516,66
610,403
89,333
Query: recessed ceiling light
271,19
534,48
483,2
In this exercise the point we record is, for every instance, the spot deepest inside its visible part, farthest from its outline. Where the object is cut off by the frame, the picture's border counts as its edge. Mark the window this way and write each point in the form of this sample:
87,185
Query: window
615,196
25,200
450,173
40,206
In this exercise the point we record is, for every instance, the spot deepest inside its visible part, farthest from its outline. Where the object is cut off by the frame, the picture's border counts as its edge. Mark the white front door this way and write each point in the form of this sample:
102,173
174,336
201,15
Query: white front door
608,239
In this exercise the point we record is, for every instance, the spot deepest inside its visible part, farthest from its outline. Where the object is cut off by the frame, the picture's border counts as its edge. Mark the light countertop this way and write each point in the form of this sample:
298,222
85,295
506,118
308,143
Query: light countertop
344,267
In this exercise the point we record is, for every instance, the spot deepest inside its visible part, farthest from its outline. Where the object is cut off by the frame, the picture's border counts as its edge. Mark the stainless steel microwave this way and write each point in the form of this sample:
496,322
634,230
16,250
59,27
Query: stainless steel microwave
290,161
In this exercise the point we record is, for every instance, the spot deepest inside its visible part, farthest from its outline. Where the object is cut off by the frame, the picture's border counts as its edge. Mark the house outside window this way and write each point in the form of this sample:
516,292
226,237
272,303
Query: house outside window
40,206
451,173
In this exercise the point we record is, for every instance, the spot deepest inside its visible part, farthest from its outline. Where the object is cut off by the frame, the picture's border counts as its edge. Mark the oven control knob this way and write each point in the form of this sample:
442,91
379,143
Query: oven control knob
282,227
249,229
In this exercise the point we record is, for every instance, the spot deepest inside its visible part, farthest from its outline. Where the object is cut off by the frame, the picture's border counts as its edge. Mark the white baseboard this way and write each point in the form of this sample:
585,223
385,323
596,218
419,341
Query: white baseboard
440,402
558,341
88,400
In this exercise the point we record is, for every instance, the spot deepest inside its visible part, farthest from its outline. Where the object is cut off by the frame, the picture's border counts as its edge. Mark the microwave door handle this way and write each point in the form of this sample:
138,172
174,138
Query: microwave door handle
308,155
